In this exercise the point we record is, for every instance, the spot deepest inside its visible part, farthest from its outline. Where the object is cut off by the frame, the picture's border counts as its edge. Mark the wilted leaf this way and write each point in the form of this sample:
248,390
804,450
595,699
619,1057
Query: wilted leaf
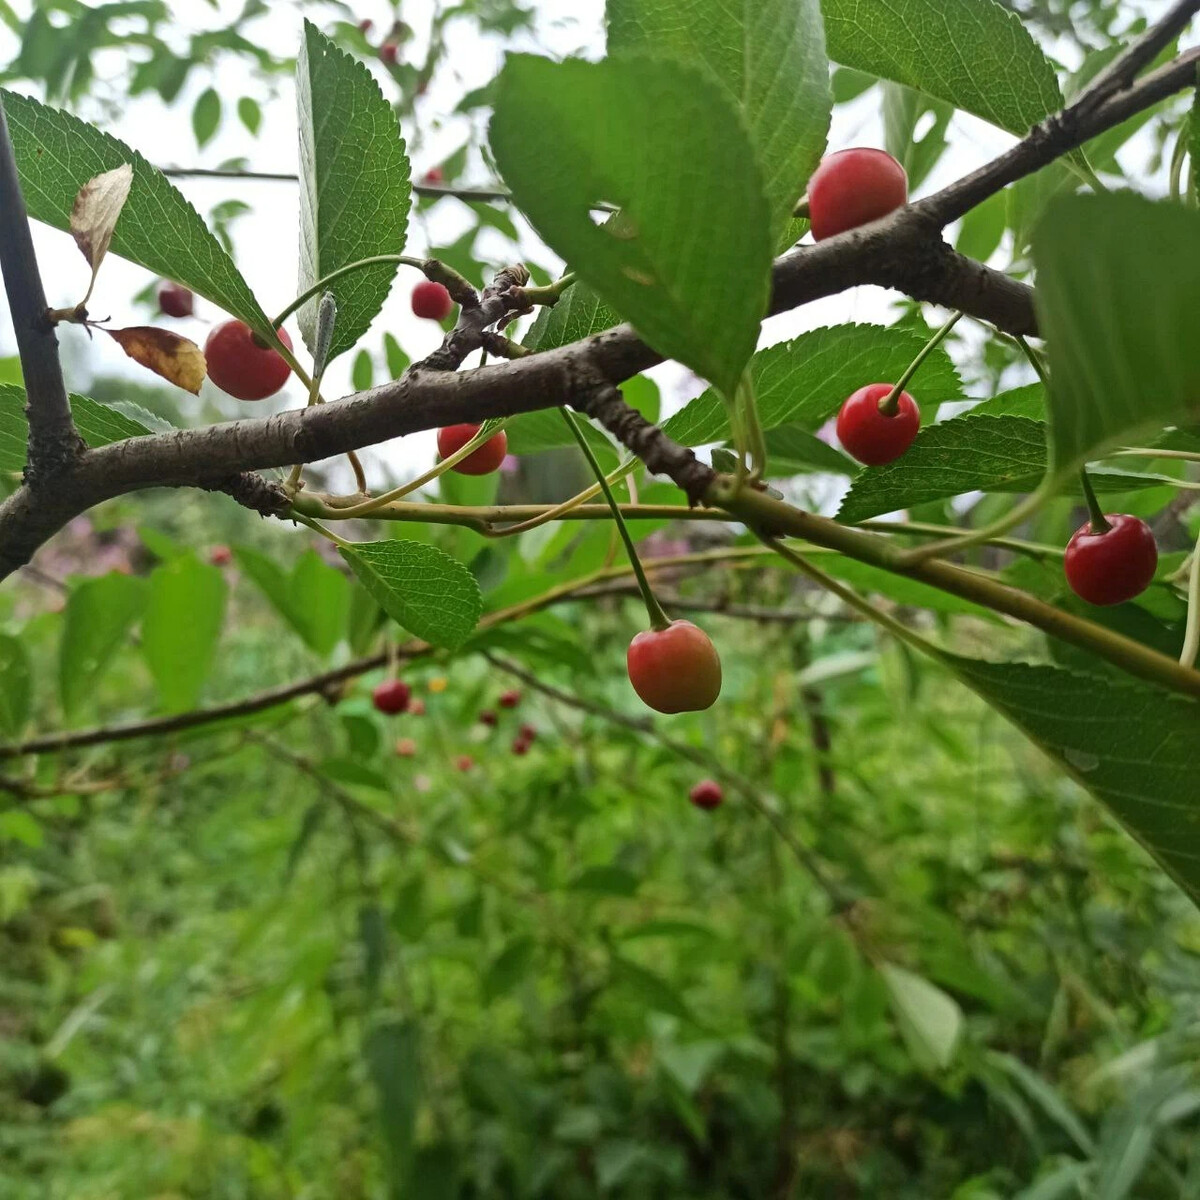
175,358
94,215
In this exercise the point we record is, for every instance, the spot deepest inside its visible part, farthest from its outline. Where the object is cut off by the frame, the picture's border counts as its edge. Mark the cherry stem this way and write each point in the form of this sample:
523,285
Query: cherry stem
1099,521
658,618
1191,637
889,406
323,283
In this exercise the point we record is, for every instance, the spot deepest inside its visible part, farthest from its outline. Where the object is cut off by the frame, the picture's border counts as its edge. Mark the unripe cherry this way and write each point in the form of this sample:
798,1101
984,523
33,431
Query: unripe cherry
873,437
431,301
676,669
220,556
174,299
707,794
1114,566
391,696
853,187
452,438
241,365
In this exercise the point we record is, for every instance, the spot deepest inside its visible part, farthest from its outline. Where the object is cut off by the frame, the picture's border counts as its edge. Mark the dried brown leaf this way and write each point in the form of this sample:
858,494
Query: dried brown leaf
175,358
94,215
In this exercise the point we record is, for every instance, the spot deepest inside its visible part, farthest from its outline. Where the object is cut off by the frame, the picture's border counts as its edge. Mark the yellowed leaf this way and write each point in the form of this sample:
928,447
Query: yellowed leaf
95,212
175,358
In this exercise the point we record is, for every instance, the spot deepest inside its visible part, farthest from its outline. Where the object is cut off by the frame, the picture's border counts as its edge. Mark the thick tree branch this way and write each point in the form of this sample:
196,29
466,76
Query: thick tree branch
53,442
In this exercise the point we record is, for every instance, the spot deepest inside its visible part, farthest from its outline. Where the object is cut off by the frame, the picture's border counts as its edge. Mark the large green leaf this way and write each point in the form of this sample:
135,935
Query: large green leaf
431,594
97,620
975,54
16,686
805,381
1124,355
970,453
354,191
98,424
1131,745
769,58
392,1051
158,228
181,626
930,1021
688,258
314,598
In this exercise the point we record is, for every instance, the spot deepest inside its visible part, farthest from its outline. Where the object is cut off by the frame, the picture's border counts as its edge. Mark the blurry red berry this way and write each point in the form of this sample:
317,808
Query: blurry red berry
509,699
452,438
416,707
389,52
391,696
174,299
364,26
434,175
220,556
1114,566
487,717
406,747
520,746
707,794
853,187
871,436
431,301
464,762
528,732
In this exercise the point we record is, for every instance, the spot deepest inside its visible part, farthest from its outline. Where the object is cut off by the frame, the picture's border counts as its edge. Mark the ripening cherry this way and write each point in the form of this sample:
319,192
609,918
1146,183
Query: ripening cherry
243,366
220,556
675,669
365,25
1113,566
509,699
431,301
434,175
389,52
872,436
488,718
174,299
707,794
416,707
527,732
520,746
853,187
406,748
391,696
464,762
452,438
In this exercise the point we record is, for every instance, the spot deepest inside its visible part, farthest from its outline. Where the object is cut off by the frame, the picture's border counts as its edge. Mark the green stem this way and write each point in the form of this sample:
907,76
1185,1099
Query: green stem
1099,521
890,404
1177,157
658,619
1151,452
333,276
552,293
341,542
1191,637
747,404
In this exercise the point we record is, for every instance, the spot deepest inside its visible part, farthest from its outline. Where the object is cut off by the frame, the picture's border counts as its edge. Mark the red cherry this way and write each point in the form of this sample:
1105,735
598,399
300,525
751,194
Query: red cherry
1114,566
389,52
464,762
240,365
869,435
391,696
509,699
364,26
431,301
528,733
416,707
520,746
220,556
434,175
707,794
851,188
406,747
174,299
675,669
452,438
487,717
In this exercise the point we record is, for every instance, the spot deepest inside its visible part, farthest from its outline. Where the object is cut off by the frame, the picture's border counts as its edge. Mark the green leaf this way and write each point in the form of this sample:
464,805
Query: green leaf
904,111
159,229
688,258
792,450
362,374
607,879
768,58
930,1021
1027,401
19,826
206,116
392,1051
181,626
397,360
431,594
909,592
314,598
982,229
16,686
372,930
507,969
97,620
805,381
974,54
250,114
1120,325
1143,770
650,988
354,191
98,424
579,314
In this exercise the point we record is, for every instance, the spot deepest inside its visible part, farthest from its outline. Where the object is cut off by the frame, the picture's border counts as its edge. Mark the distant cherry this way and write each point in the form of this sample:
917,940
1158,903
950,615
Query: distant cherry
675,669
1114,566
416,707
391,696
238,363
431,301
871,436
707,794
520,746
452,438
528,733
434,175
389,52
406,747
853,187
464,762
364,26
174,299
220,556
509,699
489,718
